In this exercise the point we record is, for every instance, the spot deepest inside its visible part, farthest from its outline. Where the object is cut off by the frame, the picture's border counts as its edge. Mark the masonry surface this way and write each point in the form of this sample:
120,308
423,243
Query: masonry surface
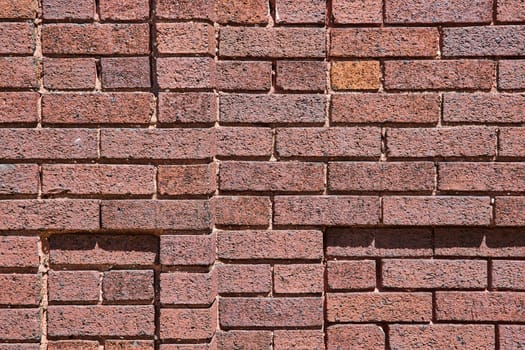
253,174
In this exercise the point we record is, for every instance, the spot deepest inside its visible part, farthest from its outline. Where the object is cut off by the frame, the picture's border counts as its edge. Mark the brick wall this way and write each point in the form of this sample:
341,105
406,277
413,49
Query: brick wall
283,174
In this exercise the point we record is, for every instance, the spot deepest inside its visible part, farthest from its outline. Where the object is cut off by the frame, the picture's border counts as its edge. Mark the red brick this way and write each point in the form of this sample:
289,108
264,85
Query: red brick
381,176
188,324
301,75
18,107
480,306
508,274
242,211
18,72
187,108
69,73
511,74
19,251
184,288
509,211
19,324
67,10
21,347
253,76
439,75
384,42
244,142
119,250
17,38
124,10
291,340
328,142
74,286
49,214
119,286
184,9
511,337
359,334
351,275
355,75
268,312
20,289
129,345
482,177
484,41
512,142
447,142
185,38
440,11
187,250
326,211
156,143
153,214
241,12
95,179
300,278
20,9
357,12
186,72
510,11
272,42
128,72
442,336
300,11
238,279
18,179
72,345
100,321
483,108
181,180
379,307
206,346
436,210
244,245
249,340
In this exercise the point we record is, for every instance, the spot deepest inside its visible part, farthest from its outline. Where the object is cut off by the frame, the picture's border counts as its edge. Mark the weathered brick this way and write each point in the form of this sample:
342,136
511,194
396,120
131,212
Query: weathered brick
182,180
510,11
129,345
298,278
511,74
186,72
67,10
22,346
371,335
357,12
244,142
188,324
74,286
512,142
292,339
185,38
351,275
245,75
242,211
187,250
249,340
69,74
127,72
440,11
19,251
20,289
482,177
18,107
509,211
355,75
120,10
18,72
128,285
17,38
241,12
19,324
20,9
300,11
185,288
483,108
249,279
18,179
508,274
185,9
301,75
202,346
73,344
511,337
187,108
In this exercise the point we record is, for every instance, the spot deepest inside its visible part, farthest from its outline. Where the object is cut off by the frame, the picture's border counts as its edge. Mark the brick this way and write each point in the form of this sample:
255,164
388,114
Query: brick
244,142
511,74
438,75
156,144
184,9
184,288
185,38
60,214
509,211
351,275
19,179
17,38
508,274
326,211
19,324
254,245
128,72
511,337
242,211
285,109
95,39
379,307
120,286
187,108
94,179
19,251
268,312
72,344
65,10
188,324
120,108
389,242
300,12
510,11
441,11
328,142
484,41
272,176
253,76
384,42
307,339
446,142
85,321
371,335
20,289
21,9
427,337
480,306
74,286
482,177
21,347
241,12
69,73
357,12
244,279
299,278
182,180
272,42
381,176
185,72
301,75
18,73
483,108
129,345
87,250
512,142
249,340
206,346
154,214
124,10
187,250
18,107
437,210
355,75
